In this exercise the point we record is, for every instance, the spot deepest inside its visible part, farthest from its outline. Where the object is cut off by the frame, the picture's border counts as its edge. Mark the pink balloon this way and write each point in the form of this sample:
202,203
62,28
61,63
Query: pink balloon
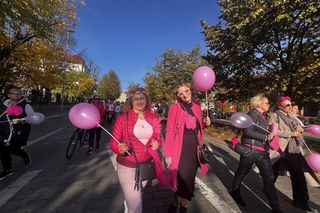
313,161
314,129
241,120
203,78
84,116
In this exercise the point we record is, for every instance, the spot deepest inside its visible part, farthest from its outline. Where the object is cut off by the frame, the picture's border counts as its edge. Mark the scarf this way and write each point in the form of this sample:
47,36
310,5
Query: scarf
294,142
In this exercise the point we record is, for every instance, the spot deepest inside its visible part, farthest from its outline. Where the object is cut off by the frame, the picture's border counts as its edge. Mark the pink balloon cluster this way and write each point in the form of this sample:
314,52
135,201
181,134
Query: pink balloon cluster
314,129
84,116
313,160
203,78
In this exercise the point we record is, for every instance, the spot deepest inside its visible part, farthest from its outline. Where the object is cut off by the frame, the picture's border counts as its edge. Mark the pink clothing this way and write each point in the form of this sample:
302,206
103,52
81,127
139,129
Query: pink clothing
143,152
172,145
143,131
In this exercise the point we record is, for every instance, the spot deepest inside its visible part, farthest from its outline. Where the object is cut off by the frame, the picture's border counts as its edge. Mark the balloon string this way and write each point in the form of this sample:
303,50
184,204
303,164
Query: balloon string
207,104
262,128
111,136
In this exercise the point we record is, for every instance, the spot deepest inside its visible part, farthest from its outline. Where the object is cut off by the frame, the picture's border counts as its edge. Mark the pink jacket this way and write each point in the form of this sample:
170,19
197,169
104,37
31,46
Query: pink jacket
172,145
143,152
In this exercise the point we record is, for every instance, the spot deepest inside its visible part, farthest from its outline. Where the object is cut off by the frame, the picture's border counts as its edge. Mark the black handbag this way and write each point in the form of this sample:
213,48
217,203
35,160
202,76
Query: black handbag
204,153
242,150
144,170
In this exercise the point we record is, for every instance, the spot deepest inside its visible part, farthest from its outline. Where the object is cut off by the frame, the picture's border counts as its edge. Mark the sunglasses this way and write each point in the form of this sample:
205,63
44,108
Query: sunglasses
98,99
287,105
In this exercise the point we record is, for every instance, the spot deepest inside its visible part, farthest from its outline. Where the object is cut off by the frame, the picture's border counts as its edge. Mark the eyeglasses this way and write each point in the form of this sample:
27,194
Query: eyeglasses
287,105
187,91
98,99
14,93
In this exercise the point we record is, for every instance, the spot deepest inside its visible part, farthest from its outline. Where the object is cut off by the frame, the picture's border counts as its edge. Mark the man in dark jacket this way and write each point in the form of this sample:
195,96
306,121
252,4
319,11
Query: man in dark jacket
20,129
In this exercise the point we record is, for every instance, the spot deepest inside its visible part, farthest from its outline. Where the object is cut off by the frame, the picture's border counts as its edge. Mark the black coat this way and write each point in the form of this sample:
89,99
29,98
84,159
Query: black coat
254,135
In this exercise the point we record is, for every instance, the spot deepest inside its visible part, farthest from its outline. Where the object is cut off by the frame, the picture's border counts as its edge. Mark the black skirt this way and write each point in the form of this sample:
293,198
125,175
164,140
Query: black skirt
188,166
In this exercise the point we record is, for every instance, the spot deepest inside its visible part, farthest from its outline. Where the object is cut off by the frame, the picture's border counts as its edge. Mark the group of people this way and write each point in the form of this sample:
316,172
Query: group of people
14,130
270,162
139,134
138,130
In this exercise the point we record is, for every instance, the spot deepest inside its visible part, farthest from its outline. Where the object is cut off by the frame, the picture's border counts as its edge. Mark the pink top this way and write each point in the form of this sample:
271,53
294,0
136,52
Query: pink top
143,131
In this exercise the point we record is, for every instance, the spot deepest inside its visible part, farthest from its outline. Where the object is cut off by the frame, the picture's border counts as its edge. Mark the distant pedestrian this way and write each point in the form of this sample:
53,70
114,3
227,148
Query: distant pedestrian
291,158
16,110
95,133
258,139
163,112
139,131
181,146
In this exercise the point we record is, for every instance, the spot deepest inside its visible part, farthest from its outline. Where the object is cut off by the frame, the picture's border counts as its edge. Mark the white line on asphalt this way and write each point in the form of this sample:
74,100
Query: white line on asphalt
45,136
14,187
221,161
213,198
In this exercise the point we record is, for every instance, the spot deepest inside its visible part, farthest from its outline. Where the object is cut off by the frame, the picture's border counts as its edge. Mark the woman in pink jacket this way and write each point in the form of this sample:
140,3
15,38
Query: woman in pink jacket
138,129
181,146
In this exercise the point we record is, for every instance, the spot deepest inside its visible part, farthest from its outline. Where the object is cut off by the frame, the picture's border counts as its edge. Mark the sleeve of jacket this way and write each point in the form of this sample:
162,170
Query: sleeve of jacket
170,130
118,134
254,132
282,132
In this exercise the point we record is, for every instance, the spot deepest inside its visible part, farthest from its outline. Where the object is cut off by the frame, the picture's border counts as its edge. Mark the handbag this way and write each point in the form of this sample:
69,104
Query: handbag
144,170
204,153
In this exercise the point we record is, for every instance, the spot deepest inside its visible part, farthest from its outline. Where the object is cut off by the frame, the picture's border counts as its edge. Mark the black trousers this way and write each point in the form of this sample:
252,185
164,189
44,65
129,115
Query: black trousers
262,160
294,163
5,155
95,132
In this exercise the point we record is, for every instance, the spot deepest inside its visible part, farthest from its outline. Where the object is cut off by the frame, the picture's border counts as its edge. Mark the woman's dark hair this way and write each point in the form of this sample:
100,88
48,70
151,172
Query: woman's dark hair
128,104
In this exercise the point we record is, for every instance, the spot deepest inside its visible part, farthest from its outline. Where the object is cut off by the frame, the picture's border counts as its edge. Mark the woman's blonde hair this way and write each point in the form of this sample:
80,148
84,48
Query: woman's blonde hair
257,100
128,104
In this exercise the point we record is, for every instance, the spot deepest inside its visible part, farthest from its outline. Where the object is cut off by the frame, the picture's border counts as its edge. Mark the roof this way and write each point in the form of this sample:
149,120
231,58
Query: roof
75,59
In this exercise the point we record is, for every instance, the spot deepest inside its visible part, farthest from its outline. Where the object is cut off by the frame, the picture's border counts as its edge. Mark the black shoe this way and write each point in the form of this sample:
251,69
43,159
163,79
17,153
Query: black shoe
27,161
237,197
5,174
90,150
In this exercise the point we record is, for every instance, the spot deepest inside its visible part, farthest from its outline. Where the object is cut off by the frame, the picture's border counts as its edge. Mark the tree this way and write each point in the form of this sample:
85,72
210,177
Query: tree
109,86
266,46
24,22
173,67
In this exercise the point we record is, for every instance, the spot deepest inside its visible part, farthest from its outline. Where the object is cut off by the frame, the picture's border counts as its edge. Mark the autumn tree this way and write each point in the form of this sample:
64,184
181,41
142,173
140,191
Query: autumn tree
172,67
24,22
266,46
109,86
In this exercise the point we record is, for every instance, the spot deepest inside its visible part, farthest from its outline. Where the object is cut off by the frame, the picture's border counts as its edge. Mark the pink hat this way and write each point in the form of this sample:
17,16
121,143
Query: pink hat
283,99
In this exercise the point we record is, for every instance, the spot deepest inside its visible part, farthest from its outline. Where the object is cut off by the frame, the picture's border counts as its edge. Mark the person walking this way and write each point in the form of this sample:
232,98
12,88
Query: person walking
16,109
138,130
258,139
95,133
291,158
181,145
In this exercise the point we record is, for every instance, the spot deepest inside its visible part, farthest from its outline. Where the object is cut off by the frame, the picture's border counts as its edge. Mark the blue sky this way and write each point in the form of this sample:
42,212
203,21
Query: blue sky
128,36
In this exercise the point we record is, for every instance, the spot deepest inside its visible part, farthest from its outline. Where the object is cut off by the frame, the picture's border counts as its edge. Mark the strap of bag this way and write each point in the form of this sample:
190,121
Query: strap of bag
137,184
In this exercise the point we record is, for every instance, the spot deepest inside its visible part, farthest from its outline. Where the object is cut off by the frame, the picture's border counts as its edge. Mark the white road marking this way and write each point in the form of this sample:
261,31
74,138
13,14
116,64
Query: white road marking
14,187
45,136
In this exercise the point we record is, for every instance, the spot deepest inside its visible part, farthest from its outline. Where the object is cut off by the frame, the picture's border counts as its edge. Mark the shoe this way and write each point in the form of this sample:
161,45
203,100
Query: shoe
5,174
237,197
27,161
90,150
305,207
